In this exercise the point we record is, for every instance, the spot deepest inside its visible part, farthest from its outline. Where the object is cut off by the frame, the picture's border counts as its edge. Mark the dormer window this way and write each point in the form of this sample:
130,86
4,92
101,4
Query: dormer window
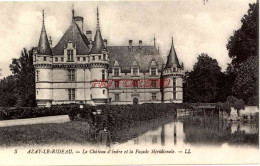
153,71
116,72
44,58
99,57
56,59
84,59
62,59
70,56
135,71
78,58
93,58
104,57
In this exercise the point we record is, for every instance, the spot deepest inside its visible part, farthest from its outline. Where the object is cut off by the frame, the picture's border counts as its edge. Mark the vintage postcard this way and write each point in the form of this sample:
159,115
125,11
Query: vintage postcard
129,82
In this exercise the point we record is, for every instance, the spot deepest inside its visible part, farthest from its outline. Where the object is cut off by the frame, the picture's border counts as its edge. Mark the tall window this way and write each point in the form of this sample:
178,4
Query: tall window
104,56
116,84
62,59
135,83
117,97
153,96
135,71
78,58
56,59
174,84
71,74
70,55
103,75
174,88
93,58
37,75
153,71
84,59
71,94
99,57
116,72
44,58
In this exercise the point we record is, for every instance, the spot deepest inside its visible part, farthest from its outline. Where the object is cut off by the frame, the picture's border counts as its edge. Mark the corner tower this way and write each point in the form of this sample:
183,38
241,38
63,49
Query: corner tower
173,74
98,64
42,60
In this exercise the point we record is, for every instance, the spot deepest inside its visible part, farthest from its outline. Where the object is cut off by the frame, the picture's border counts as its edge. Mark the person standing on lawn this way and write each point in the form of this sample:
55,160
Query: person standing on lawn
104,137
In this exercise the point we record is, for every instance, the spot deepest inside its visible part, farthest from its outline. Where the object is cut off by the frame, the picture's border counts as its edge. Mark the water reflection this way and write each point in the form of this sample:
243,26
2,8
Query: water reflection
198,132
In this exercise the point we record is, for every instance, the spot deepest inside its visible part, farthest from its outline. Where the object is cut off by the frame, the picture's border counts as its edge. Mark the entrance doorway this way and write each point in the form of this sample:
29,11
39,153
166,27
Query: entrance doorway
135,101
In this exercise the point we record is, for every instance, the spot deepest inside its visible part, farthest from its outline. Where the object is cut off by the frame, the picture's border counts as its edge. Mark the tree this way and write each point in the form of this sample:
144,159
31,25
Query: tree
243,71
202,83
238,104
246,81
23,70
8,94
244,42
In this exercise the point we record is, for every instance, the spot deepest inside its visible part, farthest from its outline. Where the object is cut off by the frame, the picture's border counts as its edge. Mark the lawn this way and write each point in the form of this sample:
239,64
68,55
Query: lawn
46,134
74,132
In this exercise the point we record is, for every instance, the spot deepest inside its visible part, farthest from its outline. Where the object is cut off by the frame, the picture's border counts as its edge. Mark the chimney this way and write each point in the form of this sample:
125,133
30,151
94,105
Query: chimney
130,44
89,35
140,44
105,43
50,41
79,20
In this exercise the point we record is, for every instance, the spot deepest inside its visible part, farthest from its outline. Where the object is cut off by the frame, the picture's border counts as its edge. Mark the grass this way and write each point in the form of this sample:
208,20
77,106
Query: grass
75,132
46,134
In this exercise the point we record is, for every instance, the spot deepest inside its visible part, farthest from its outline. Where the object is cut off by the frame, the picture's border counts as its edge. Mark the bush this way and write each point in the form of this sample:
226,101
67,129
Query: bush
121,116
32,112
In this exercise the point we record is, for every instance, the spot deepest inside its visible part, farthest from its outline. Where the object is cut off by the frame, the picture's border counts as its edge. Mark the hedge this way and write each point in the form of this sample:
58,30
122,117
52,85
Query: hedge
32,112
118,114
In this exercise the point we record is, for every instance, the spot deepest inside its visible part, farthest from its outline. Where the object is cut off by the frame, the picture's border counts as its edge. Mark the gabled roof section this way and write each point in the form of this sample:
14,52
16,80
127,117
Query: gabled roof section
44,45
74,35
172,59
98,44
126,57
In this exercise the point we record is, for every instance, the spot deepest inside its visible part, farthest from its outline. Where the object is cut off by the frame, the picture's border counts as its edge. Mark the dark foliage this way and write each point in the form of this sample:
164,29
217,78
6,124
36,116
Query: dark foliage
243,49
8,94
24,73
203,83
244,42
32,112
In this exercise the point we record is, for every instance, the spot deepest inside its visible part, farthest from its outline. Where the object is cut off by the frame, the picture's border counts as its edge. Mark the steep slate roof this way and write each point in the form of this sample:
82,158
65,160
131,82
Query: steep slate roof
125,57
43,45
172,58
74,35
98,43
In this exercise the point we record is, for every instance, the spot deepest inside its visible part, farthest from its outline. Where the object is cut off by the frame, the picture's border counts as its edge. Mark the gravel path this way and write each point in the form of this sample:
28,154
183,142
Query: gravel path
46,119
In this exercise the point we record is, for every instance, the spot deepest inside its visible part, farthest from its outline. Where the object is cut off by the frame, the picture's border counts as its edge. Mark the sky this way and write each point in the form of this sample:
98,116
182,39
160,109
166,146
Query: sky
196,28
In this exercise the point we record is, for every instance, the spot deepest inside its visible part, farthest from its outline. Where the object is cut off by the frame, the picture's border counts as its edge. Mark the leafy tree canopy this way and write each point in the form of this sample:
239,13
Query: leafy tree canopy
243,44
202,83
246,81
23,70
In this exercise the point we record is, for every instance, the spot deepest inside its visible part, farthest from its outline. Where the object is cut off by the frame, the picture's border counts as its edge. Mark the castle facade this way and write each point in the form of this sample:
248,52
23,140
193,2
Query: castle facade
82,69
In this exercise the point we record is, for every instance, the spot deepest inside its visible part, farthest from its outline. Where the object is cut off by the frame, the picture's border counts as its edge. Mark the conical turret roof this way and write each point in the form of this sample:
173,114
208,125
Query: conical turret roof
172,58
98,44
44,45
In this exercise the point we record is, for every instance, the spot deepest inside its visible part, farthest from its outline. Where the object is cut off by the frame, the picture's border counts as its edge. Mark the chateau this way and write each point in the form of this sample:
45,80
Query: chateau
82,69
